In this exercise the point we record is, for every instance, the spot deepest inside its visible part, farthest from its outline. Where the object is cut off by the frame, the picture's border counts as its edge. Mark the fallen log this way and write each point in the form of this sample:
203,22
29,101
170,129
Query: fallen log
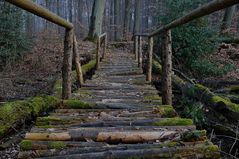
194,151
223,105
89,149
119,136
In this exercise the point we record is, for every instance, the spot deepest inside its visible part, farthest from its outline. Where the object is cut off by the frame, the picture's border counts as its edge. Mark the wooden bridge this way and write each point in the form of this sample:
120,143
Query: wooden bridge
117,114
124,118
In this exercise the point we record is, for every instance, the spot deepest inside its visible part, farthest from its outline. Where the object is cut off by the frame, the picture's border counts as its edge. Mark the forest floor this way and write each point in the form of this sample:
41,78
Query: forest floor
36,72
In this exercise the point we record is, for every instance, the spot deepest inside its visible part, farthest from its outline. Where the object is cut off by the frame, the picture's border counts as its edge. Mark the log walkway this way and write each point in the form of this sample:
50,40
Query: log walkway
124,119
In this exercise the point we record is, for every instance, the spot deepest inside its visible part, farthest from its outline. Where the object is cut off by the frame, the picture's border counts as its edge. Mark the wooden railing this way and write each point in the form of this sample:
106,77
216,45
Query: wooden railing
167,44
101,39
70,44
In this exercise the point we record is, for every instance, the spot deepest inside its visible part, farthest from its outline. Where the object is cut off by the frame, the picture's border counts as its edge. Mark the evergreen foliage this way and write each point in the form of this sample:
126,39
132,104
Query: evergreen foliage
194,42
13,41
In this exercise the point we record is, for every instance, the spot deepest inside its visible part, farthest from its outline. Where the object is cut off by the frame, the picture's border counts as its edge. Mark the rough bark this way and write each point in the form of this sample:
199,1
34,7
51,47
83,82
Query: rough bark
98,54
136,47
167,69
95,29
67,64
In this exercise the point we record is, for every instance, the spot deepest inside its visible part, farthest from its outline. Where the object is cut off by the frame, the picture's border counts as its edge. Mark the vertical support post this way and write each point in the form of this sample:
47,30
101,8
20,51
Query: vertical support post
105,45
76,56
98,53
140,55
150,59
67,64
167,68
136,47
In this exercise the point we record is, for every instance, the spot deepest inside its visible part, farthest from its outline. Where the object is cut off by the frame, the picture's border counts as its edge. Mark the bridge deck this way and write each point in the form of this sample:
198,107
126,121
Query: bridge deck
125,120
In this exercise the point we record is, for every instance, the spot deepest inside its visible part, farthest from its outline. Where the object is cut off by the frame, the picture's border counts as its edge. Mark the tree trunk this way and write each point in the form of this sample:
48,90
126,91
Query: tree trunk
167,69
227,19
127,19
67,64
76,54
117,20
136,48
96,19
140,55
137,17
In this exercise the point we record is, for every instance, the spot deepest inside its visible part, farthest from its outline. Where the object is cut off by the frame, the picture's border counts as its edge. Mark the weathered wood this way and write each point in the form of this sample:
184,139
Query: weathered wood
150,59
136,39
92,148
200,151
140,53
67,64
105,46
167,69
77,62
38,10
98,53
197,13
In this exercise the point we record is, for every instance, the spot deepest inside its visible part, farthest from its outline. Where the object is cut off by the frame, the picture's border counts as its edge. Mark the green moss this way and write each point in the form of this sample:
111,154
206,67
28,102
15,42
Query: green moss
89,66
77,104
156,67
173,122
26,145
57,145
166,111
234,89
15,113
45,126
234,107
153,97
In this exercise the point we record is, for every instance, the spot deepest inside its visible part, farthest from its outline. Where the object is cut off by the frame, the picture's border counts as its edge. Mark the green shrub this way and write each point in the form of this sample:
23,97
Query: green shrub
194,42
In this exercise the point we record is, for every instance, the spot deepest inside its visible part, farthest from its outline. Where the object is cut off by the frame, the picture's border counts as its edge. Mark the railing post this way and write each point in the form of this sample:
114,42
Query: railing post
76,56
67,64
167,68
150,59
105,45
98,53
136,47
140,55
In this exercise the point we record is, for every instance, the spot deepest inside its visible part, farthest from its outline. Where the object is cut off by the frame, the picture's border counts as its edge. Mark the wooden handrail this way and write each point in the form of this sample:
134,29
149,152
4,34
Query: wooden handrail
99,39
38,10
197,13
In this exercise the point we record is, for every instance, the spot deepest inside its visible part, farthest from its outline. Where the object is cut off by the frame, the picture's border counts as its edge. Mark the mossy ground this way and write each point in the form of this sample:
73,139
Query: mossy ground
152,97
174,122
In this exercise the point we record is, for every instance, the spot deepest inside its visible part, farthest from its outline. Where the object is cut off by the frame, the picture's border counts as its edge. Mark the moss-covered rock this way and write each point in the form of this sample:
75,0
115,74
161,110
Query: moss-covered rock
173,122
217,99
77,104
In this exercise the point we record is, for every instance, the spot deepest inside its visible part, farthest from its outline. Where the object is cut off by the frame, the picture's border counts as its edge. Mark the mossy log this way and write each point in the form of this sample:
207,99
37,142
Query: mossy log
202,93
90,147
16,113
204,150
119,136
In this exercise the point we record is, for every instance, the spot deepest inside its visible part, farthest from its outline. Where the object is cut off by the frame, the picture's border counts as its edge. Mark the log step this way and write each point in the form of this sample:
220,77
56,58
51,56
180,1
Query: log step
116,115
